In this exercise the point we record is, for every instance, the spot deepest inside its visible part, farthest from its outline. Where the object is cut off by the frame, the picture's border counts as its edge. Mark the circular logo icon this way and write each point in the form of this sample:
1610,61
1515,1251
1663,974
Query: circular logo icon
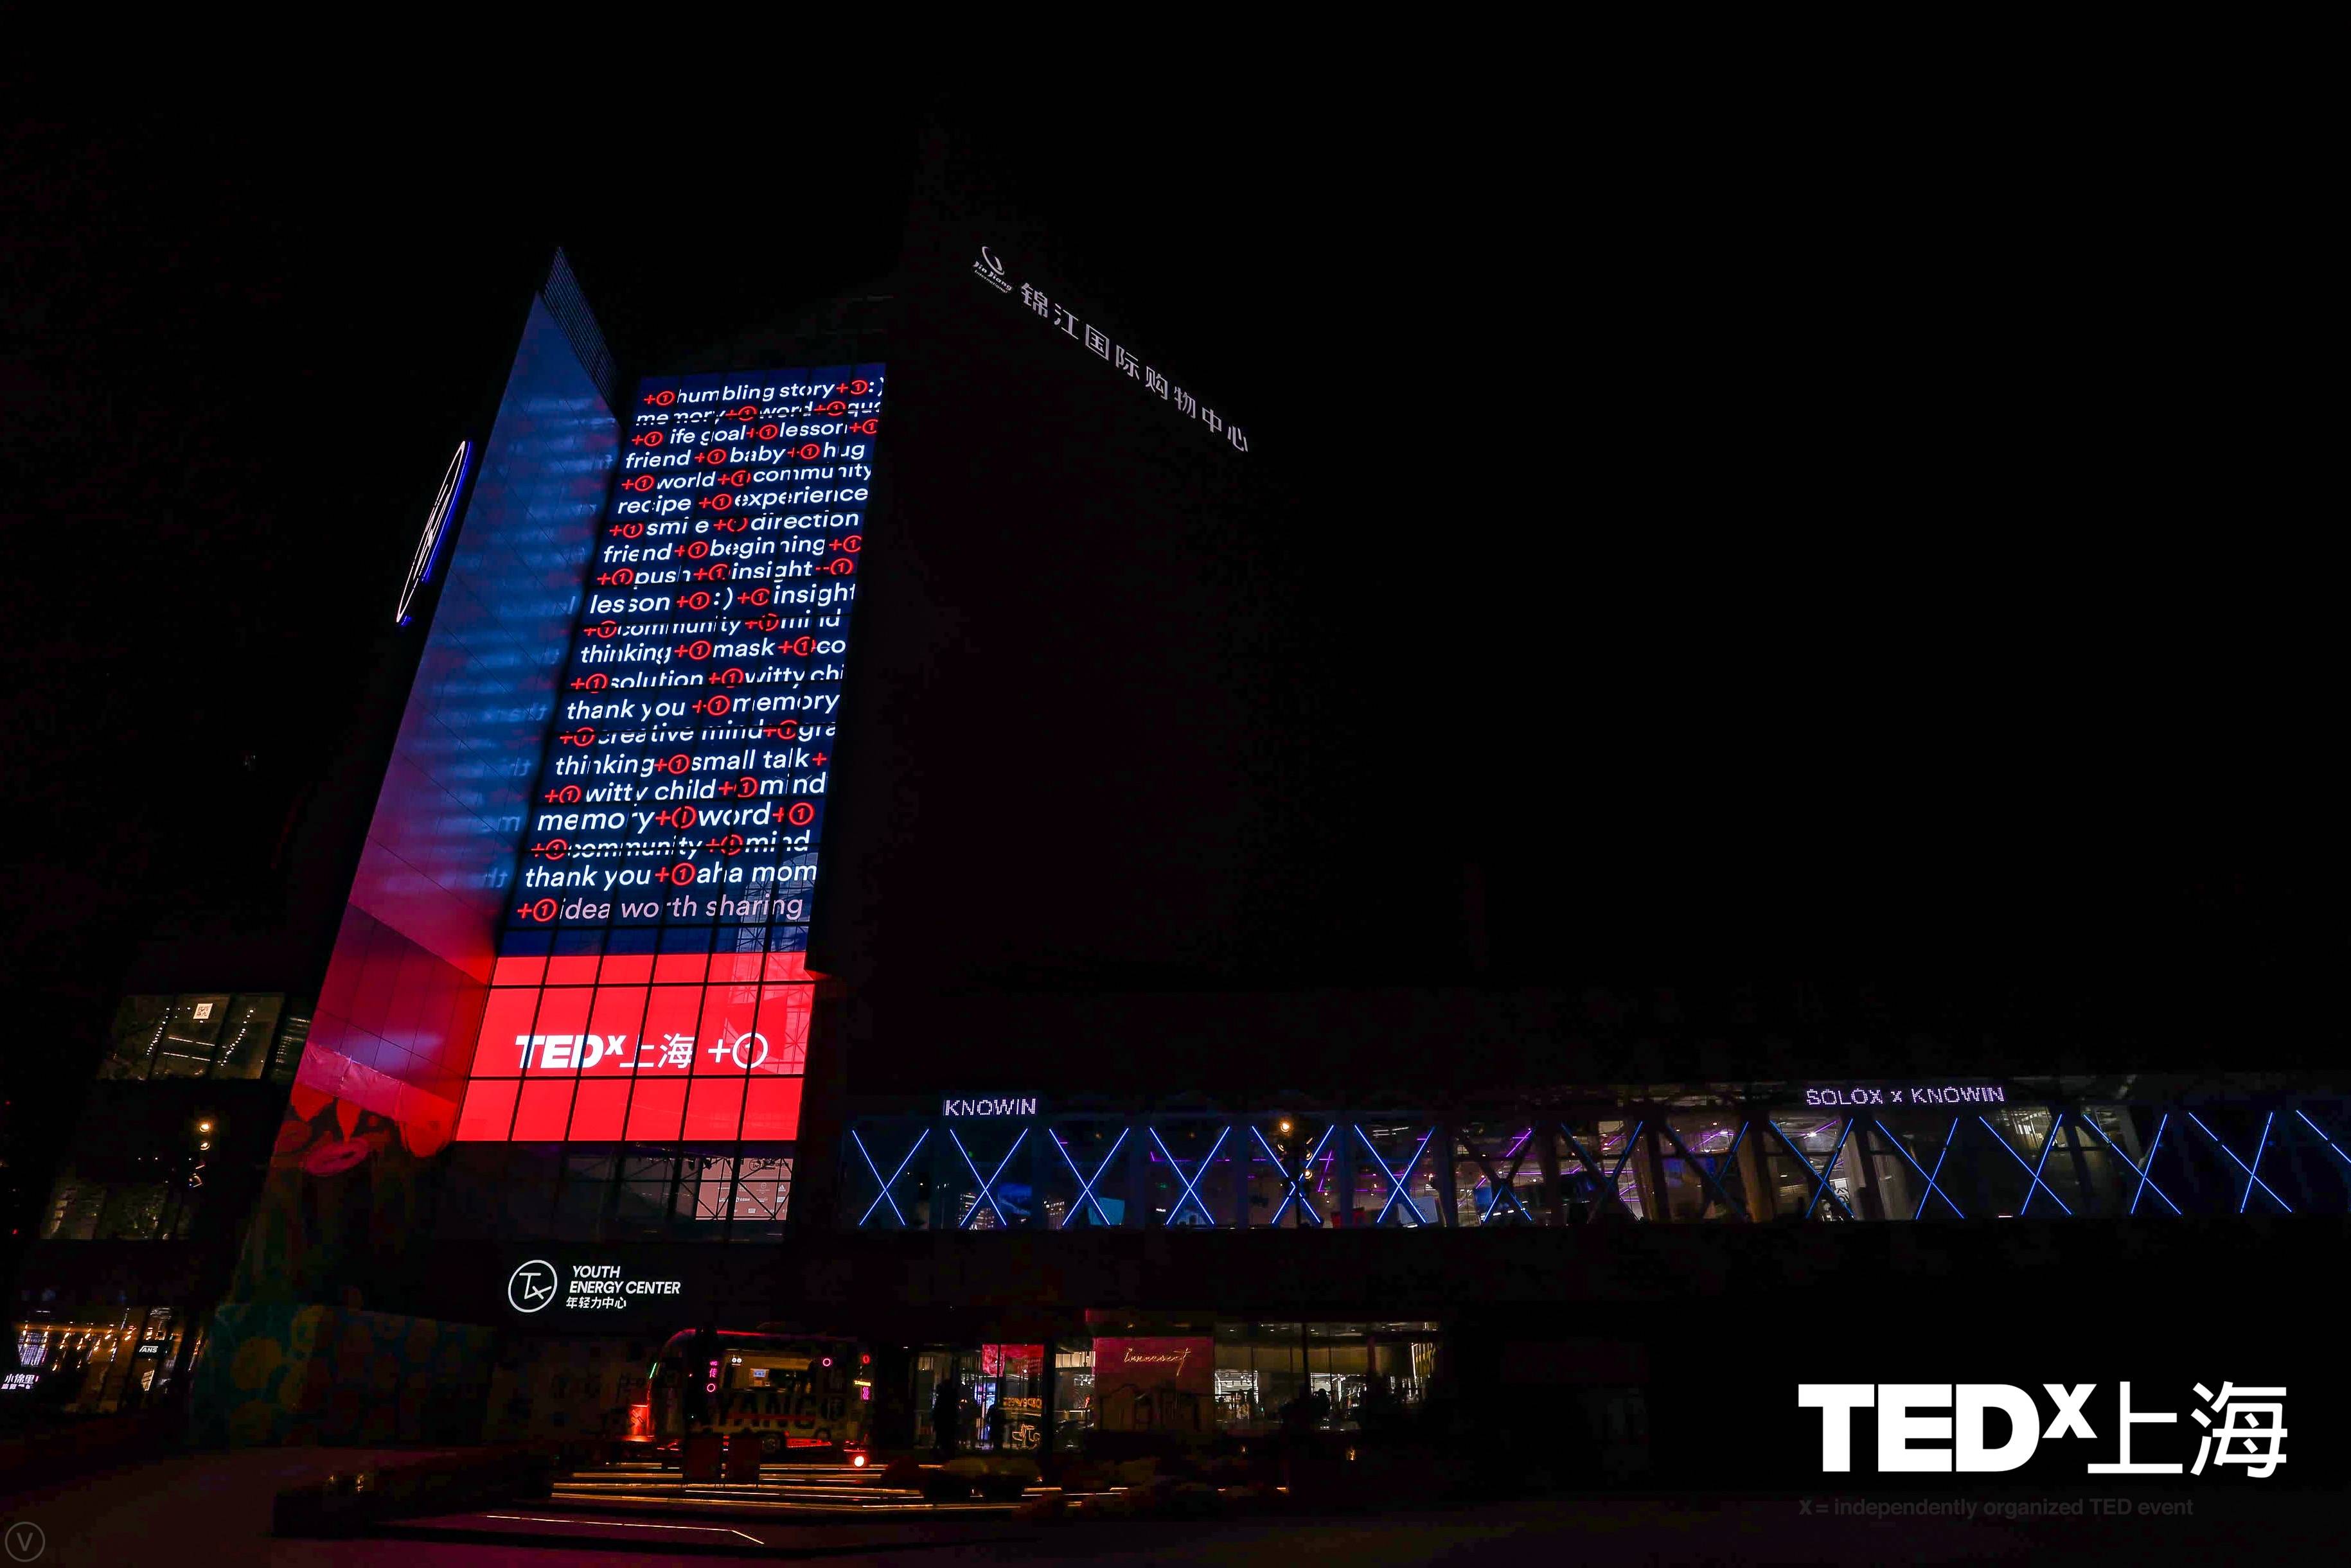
533,1286
750,1050
24,1540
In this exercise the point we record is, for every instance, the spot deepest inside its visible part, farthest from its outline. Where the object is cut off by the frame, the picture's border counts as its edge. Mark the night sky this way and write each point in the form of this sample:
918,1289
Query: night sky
1846,583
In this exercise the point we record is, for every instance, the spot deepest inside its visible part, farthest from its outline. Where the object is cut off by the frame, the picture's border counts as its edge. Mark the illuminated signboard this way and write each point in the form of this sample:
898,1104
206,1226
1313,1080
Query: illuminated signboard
999,1106
537,1285
1943,1092
652,980
1147,380
1155,1384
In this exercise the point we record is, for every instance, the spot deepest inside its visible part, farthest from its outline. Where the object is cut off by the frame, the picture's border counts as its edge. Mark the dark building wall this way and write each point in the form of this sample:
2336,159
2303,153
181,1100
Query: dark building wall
1438,686
1450,1041
1075,742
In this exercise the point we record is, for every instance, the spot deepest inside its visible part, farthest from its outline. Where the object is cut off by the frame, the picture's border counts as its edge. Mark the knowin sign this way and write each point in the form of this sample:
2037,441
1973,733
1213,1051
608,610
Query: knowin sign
999,1106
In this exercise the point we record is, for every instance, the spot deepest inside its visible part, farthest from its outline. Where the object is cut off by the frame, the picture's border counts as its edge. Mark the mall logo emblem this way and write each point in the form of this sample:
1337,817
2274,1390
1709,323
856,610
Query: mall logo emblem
25,1542
532,1287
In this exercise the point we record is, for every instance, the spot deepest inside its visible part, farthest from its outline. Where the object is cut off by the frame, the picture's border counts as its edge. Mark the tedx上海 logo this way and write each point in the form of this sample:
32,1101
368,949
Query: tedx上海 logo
533,1286
1947,1428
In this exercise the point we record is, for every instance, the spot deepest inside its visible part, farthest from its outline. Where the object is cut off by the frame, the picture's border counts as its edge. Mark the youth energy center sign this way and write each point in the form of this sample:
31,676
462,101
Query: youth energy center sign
538,1284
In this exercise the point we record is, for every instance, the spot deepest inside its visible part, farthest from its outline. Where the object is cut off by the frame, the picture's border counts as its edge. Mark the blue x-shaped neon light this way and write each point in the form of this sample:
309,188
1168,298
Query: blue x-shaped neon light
1592,1168
1294,1184
1191,1184
1932,1191
987,1188
2252,1171
1705,1171
1820,1177
1506,1186
2147,1179
2329,1142
2033,1170
2146,1173
1396,1177
883,1196
1086,1184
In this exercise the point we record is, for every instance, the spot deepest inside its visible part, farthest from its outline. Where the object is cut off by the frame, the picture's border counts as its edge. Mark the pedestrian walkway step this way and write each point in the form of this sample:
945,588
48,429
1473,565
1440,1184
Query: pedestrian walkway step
637,1487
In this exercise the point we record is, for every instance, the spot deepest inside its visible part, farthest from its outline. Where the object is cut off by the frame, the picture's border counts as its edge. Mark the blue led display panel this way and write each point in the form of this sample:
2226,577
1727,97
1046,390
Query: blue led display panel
652,980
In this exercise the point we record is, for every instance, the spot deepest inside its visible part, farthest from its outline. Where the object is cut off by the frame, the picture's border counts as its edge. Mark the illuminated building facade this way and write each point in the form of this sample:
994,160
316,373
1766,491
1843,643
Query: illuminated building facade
603,1051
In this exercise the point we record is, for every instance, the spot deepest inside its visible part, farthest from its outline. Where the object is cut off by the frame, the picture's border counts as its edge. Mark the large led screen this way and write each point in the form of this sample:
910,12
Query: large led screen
652,982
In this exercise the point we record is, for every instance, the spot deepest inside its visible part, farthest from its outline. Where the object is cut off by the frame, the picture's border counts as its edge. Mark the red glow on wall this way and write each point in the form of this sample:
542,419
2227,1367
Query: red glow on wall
601,1109
771,1110
523,968
622,968
571,969
544,1111
714,1110
489,1110
656,1108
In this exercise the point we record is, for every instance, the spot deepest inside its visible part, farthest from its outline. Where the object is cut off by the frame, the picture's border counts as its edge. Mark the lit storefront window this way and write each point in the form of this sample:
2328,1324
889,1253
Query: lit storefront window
1241,1379
616,1192
214,1034
95,1362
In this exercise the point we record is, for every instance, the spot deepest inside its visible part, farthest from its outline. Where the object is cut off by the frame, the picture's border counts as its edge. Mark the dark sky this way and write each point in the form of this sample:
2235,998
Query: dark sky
1848,564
